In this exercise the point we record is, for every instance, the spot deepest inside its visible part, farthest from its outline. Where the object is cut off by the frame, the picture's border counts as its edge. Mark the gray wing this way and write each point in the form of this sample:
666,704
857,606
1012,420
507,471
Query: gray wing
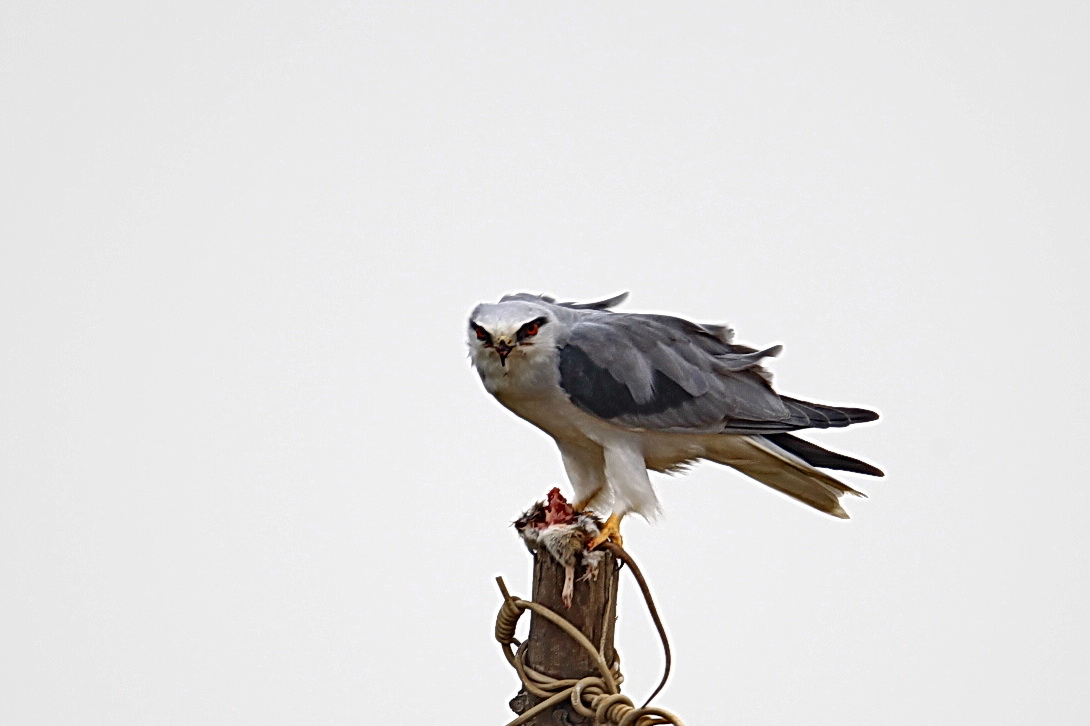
662,373
609,302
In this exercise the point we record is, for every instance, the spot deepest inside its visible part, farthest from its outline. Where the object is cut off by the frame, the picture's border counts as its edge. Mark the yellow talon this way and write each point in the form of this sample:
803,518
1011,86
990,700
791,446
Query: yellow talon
611,531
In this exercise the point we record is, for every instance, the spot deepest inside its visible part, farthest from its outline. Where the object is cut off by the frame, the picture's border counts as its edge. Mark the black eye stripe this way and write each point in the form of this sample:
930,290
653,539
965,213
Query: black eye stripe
538,322
482,334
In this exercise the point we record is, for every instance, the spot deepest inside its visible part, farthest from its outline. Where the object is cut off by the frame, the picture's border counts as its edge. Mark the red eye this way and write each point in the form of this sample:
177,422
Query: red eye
481,335
530,329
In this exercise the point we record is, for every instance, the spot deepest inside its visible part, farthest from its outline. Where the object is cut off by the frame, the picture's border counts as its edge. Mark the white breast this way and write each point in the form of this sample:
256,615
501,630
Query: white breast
529,385
530,388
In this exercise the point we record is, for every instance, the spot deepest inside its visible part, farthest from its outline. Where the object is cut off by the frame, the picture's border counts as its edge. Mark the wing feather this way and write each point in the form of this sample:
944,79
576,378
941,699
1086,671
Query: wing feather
656,372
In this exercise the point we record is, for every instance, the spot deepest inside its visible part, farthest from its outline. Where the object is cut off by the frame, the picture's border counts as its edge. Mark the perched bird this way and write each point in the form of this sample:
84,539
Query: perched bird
624,393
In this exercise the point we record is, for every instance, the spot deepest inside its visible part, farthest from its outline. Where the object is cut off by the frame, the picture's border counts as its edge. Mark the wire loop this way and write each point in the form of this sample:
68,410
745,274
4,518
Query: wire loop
596,696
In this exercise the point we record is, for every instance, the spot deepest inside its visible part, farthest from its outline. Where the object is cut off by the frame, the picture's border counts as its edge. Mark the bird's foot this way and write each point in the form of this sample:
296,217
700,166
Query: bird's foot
611,531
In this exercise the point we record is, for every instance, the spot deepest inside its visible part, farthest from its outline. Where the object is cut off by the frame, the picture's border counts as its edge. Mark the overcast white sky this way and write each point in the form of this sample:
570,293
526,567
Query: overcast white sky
248,477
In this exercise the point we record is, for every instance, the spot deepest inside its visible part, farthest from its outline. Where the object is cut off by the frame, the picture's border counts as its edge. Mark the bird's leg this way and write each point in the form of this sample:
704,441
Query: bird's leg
583,503
611,531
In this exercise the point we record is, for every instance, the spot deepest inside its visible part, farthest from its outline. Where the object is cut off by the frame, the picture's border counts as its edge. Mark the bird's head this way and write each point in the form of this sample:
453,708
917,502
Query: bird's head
511,332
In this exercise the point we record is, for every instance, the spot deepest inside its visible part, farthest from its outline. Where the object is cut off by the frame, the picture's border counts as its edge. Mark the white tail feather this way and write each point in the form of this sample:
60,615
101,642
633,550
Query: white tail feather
767,463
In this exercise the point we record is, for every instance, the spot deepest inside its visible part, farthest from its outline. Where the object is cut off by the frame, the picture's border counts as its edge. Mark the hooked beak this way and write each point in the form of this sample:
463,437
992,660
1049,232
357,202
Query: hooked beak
504,350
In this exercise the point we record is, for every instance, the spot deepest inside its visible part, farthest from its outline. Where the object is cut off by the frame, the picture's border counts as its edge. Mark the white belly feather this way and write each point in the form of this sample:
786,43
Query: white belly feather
607,463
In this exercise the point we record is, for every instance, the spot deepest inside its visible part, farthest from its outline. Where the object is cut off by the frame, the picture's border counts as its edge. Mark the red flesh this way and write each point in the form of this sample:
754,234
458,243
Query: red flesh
557,509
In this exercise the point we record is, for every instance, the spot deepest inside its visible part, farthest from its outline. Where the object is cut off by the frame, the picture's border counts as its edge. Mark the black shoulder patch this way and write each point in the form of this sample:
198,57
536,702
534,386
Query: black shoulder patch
594,388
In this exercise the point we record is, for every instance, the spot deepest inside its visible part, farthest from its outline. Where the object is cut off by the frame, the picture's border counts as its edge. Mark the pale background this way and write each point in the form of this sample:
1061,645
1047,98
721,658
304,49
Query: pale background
248,477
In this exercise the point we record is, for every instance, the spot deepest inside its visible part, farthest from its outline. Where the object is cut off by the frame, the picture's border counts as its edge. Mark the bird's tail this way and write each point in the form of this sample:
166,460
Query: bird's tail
782,466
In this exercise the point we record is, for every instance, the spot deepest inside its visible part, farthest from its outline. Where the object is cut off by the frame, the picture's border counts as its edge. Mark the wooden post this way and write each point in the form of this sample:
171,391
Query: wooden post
554,653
